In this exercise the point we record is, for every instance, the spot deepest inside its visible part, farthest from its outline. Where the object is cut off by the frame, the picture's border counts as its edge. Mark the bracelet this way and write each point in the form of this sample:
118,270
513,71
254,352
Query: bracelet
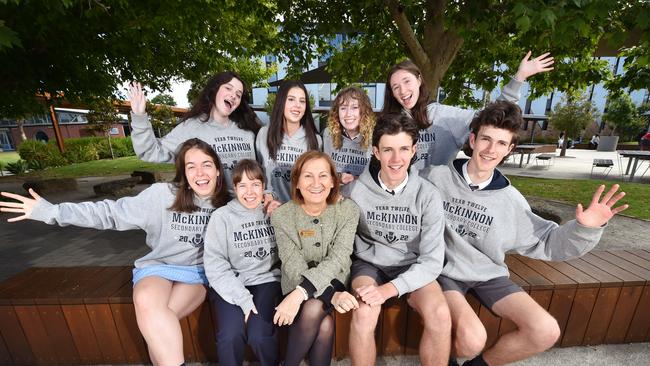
304,292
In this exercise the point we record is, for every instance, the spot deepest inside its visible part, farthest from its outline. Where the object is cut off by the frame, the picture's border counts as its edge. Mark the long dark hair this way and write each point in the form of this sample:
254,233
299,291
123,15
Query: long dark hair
243,115
184,201
419,111
276,130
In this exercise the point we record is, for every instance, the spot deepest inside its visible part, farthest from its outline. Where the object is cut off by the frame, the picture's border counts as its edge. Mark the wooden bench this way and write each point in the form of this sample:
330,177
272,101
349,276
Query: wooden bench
85,315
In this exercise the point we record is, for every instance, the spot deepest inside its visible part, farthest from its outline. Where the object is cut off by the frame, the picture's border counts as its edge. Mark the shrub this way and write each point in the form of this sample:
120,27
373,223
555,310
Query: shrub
77,150
17,167
47,154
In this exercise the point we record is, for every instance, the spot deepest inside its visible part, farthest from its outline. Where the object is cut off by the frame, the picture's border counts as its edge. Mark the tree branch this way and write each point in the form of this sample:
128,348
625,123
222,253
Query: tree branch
408,35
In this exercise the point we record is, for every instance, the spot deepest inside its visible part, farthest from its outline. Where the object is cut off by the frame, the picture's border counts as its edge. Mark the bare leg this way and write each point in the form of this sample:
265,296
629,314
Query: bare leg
185,298
362,329
468,333
435,343
158,324
537,330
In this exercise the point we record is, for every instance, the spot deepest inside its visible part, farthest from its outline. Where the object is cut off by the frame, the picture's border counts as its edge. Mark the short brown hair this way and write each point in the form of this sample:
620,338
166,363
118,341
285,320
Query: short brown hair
501,114
251,168
297,169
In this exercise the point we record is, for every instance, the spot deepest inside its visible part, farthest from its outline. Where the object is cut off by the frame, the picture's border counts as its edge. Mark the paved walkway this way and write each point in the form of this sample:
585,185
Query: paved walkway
27,243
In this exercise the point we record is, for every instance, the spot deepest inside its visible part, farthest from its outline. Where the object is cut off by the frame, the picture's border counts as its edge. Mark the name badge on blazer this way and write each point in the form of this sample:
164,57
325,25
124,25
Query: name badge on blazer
307,233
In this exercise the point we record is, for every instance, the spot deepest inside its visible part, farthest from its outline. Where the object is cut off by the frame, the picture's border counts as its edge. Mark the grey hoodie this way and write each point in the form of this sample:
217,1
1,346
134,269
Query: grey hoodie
174,237
440,143
230,142
400,230
278,171
240,251
350,158
482,225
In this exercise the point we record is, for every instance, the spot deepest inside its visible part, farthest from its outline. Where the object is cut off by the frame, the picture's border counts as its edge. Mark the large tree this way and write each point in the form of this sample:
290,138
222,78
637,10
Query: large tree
80,48
458,43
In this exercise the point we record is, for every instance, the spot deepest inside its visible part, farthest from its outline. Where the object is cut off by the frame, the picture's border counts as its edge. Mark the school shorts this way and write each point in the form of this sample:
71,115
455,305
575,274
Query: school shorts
487,292
381,274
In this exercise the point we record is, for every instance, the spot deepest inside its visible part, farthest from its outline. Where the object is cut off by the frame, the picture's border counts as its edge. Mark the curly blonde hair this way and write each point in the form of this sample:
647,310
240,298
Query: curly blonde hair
366,123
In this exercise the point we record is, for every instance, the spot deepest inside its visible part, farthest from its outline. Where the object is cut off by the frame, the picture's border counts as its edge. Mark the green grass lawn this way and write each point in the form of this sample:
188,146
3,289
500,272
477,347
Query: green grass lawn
105,167
8,157
575,191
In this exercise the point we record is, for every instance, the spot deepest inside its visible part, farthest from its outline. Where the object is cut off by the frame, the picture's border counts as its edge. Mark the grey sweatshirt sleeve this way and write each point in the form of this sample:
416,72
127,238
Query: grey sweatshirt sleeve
432,249
510,91
544,239
148,147
124,214
338,259
217,265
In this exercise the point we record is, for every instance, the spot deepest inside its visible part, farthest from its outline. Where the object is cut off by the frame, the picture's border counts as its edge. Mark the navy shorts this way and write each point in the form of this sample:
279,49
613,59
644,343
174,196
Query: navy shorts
487,292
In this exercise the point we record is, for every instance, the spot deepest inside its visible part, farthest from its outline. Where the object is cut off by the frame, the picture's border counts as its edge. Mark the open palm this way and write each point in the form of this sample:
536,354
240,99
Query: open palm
600,211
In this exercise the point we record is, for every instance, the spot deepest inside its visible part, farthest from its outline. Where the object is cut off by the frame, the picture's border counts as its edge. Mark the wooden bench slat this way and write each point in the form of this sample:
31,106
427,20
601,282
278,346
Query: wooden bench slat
581,310
624,264
15,337
605,279
114,279
629,279
202,331
532,277
82,333
133,344
632,258
5,358
640,324
601,315
59,334
582,279
558,279
623,313
17,282
105,329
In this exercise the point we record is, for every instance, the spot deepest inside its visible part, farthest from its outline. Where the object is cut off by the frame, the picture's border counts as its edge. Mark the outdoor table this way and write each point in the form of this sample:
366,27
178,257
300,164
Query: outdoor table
633,161
524,149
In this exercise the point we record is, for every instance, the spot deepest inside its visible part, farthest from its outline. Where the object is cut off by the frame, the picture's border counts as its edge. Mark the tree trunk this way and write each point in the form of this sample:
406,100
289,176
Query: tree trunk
110,145
20,122
435,50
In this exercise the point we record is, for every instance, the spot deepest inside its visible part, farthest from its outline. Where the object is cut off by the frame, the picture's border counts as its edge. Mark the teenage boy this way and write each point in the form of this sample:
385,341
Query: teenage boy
485,217
399,246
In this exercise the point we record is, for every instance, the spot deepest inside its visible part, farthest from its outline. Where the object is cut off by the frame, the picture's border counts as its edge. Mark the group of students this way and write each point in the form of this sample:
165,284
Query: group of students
385,211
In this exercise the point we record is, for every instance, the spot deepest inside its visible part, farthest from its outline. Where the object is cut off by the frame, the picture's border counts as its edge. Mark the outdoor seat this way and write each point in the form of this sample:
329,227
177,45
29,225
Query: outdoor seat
546,159
607,164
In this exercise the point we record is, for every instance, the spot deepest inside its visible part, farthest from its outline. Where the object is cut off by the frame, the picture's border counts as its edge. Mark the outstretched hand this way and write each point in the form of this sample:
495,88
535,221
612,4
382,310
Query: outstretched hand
528,67
25,206
136,96
600,211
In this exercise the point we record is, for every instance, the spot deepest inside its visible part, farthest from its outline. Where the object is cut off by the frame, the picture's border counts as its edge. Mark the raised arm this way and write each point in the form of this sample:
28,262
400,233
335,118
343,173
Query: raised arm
529,67
552,242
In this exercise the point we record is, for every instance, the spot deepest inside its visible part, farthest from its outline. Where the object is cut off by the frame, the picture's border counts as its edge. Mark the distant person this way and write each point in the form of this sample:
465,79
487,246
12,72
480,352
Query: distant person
593,143
242,265
560,140
486,217
644,142
290,132
168,282
443,128
348,136
220,116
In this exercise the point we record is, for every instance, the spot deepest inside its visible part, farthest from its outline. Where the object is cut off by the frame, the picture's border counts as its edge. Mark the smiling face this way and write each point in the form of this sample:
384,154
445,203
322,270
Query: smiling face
490,146
405,88
350,116
250,192
295,105
315,181
394,153
227,99
201,172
